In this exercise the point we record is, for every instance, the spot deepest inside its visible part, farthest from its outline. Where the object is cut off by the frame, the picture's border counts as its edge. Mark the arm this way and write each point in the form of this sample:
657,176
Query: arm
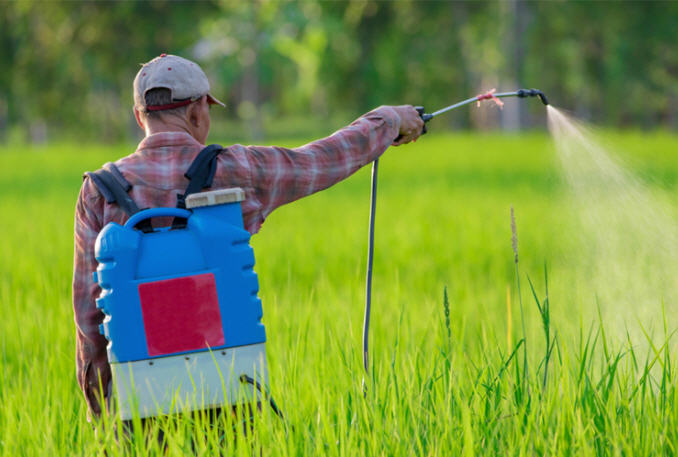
91,361
281,175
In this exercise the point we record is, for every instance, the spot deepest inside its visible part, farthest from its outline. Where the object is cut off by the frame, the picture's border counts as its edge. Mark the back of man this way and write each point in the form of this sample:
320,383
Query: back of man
172,102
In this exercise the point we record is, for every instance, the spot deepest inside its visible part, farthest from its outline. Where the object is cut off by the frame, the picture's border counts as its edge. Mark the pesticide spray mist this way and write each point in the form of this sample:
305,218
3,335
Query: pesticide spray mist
628,261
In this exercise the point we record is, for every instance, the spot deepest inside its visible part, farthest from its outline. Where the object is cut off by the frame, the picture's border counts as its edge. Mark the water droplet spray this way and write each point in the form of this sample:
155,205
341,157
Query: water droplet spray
627,260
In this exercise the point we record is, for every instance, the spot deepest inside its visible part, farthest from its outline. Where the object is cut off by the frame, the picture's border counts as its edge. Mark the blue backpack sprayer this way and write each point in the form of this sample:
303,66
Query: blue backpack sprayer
183,319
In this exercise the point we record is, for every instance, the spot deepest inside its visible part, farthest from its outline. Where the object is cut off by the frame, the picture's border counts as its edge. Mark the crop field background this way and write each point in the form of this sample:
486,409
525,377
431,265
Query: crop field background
444,382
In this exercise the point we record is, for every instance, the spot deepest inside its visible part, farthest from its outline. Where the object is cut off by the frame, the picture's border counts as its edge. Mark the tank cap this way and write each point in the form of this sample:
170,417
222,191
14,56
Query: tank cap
215,197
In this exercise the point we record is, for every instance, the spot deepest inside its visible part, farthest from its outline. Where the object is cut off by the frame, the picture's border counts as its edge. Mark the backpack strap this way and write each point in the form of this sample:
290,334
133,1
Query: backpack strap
200,175
201,172
113,186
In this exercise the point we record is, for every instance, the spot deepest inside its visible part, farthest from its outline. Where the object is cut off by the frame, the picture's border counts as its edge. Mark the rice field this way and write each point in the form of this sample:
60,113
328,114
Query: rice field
471,353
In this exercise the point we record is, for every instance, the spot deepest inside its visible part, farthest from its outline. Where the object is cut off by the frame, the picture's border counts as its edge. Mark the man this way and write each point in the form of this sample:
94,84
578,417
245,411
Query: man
172,105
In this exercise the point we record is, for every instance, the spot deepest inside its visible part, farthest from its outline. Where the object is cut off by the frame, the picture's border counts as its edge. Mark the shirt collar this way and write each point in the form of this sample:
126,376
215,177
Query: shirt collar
165,139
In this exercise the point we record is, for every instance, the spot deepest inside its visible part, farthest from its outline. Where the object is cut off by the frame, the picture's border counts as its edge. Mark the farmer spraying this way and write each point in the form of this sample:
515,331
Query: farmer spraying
167,173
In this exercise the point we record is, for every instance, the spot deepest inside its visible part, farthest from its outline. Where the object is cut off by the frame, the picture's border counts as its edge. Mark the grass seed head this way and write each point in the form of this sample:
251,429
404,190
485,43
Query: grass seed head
514,236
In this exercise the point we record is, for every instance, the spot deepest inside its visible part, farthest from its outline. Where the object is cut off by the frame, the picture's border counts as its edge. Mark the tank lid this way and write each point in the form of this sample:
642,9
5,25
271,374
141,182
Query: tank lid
215,197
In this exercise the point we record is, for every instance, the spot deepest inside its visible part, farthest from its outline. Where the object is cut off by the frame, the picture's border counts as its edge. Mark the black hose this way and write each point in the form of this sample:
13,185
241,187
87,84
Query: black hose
248,380
370,259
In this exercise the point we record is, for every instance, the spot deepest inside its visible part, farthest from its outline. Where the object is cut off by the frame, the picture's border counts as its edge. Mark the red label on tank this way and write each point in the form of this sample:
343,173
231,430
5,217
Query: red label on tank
181,314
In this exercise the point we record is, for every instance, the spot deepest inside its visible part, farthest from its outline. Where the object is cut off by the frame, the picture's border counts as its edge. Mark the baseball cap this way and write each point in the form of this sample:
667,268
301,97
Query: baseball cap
185,80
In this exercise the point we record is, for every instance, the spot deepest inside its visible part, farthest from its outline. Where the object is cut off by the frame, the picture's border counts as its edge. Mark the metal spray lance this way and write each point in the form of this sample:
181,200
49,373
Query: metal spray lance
490,95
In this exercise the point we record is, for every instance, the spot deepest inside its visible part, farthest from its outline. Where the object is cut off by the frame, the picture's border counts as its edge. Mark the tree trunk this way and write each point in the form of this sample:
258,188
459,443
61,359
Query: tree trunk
513,114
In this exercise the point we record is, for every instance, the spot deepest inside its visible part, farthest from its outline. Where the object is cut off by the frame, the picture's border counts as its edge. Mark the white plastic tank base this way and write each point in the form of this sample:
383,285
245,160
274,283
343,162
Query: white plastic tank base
188,382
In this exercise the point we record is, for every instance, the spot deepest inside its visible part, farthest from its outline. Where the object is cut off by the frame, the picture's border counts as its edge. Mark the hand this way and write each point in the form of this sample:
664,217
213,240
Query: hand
411,124
96,371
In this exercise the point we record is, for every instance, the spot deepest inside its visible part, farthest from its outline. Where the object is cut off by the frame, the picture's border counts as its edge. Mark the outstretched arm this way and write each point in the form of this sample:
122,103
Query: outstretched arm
282,175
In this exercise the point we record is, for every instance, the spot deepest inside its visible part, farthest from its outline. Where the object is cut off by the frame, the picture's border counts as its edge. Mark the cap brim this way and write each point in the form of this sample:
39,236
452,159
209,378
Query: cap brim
213,101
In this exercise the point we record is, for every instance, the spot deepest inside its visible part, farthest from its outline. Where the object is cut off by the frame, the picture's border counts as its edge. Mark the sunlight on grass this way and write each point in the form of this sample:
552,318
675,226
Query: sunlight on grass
444,380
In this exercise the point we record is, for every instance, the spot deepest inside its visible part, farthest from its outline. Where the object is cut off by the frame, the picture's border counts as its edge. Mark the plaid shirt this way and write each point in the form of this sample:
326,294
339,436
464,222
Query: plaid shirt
270,177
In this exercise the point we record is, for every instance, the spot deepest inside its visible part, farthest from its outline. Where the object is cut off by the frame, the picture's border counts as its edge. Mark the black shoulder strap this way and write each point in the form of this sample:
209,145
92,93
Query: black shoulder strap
201,172
114,188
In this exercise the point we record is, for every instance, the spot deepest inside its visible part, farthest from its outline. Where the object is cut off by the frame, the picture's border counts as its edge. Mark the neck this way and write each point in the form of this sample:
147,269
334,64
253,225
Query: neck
170,124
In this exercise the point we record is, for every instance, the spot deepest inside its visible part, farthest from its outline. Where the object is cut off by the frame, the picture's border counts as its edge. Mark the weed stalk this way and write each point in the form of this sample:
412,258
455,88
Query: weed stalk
514,245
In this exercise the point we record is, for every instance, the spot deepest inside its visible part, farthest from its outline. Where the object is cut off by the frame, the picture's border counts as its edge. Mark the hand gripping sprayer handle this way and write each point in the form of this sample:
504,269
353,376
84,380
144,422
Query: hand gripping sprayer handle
424,116
490,95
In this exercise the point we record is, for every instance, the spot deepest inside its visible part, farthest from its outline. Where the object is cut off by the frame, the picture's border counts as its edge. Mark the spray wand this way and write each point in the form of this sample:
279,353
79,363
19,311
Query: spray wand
490,95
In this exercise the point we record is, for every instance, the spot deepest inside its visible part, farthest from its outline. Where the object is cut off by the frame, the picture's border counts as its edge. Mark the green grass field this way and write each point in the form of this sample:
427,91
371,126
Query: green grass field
437,388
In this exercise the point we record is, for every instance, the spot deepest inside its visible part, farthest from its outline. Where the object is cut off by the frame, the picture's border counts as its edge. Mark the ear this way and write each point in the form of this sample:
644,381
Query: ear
195,110
139,119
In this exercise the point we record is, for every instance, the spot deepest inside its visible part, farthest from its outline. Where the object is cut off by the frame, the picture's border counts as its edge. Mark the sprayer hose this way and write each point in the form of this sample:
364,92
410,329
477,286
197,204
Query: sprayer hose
370,259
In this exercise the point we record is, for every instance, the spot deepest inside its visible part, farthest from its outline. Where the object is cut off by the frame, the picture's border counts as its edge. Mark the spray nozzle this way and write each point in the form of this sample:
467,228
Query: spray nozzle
522,93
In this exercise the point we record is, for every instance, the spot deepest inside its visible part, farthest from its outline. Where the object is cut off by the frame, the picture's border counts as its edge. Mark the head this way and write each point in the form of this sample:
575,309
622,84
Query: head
172,94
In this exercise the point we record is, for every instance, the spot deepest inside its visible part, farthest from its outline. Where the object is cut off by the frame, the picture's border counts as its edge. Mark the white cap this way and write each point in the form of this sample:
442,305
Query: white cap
185,80
215,197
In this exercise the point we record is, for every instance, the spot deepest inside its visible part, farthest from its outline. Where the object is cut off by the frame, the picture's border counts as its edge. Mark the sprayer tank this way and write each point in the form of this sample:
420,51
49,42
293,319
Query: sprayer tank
178,297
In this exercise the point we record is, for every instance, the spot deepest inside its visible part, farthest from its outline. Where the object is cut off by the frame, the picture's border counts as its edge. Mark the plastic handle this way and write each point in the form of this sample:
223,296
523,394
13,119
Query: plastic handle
156,212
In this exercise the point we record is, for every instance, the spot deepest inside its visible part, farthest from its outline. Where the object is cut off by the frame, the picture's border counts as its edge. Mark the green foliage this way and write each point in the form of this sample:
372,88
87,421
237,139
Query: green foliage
442,219
68,66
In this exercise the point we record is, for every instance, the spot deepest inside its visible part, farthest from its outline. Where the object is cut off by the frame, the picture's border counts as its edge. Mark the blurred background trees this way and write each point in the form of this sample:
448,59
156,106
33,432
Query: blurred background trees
303,68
